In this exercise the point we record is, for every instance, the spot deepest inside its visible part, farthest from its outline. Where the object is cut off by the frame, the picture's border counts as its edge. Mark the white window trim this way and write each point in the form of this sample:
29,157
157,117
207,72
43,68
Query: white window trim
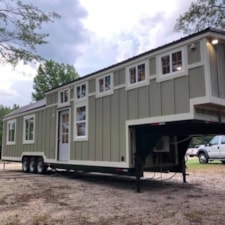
7,136
183,72
75,92
80,138
59,99
24,129
146,81
104,93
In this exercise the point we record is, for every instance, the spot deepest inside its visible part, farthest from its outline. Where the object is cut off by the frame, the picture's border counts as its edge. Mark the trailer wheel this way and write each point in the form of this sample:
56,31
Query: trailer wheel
33,165
202,158
41,167
25,165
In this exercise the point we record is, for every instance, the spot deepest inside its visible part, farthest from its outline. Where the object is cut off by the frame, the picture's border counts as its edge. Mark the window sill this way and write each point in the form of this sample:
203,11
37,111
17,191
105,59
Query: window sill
10,143
28,142
81,138
137,85
102,94
61,105
170,76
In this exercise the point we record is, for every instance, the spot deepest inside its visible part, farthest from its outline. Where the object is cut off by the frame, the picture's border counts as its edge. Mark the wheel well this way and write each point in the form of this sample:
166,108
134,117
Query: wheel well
32,156
25,156
203,152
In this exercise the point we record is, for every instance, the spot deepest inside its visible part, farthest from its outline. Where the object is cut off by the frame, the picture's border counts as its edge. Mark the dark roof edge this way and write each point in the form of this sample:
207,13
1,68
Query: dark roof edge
143,54
26,108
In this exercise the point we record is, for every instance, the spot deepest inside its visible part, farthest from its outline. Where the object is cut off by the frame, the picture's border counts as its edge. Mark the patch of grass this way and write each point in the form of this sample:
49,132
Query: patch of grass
41,220
193,163
14,221
3,200
194,216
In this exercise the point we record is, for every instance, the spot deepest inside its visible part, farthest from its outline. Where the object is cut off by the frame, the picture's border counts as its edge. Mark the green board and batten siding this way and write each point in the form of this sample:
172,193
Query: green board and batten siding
45,135
107,115
217,70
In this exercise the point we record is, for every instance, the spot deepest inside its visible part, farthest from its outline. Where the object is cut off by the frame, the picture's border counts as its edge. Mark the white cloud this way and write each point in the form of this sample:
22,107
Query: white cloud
94,35
109,17
16,84
122,29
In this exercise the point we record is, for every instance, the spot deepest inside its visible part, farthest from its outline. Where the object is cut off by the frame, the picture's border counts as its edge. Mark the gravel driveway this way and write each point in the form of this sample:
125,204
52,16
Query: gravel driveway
89,199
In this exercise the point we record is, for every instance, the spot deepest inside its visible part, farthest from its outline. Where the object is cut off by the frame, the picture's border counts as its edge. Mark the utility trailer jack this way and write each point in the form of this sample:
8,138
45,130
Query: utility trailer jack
139,165
184,171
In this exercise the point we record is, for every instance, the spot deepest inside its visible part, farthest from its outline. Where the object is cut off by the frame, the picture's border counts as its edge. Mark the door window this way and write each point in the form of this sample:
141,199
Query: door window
214,141
65,128
223,140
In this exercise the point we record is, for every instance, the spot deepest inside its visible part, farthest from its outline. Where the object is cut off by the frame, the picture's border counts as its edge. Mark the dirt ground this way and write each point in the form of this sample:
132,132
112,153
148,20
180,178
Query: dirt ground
86,199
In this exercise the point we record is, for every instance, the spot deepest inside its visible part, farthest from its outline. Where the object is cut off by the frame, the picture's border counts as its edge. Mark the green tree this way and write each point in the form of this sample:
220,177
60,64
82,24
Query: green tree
21,31
3,111
200,15
51,75
200,140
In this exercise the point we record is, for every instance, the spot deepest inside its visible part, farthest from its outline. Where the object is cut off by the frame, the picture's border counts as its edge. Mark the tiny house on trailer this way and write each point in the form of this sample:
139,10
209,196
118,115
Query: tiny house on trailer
135,116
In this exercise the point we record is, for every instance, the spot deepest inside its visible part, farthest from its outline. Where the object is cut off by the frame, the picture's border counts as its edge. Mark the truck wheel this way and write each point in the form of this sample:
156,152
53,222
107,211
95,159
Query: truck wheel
41,167
33,165
25,165
202,158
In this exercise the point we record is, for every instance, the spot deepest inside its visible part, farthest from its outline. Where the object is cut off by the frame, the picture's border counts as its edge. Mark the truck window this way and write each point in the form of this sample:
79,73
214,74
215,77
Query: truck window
214,140
223,140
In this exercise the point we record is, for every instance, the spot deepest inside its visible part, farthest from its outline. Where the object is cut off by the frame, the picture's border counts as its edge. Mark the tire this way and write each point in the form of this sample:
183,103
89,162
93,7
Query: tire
25,165
202,158
41,167
33,165
223,162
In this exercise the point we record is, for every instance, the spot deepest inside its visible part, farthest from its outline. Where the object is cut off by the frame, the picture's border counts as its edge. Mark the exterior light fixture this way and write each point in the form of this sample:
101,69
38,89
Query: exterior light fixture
214,41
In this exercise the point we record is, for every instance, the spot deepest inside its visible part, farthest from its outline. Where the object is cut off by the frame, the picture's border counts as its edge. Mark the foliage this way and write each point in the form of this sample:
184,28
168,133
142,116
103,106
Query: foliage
200,15
20,31
3,111
51,75
200,140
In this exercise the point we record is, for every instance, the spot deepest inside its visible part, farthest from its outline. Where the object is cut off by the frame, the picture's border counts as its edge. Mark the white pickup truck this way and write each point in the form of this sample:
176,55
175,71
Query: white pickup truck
214,150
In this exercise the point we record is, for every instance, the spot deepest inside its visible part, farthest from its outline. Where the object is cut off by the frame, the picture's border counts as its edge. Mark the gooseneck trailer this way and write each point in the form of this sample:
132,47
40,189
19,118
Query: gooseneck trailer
137,115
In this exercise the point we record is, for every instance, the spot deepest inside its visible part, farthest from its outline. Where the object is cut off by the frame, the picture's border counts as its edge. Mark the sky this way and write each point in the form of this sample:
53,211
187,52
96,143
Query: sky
92,35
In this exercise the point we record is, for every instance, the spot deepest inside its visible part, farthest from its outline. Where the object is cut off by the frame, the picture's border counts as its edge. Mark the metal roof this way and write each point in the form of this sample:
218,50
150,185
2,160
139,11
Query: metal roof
27,108
42,102
209,29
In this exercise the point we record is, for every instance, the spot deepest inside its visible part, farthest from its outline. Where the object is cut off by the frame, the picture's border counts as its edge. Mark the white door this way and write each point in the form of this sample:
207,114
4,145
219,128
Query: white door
214,147
64,128
222,147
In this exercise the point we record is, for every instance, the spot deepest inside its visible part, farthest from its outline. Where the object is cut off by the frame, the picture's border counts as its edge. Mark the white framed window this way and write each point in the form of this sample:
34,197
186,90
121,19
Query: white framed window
64,97
137,74
173,63
28,129
81,92
104,85
81,122
11,132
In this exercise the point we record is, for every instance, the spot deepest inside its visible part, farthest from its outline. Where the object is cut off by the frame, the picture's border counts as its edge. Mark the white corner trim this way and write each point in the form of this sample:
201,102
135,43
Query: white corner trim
217,101
206,62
